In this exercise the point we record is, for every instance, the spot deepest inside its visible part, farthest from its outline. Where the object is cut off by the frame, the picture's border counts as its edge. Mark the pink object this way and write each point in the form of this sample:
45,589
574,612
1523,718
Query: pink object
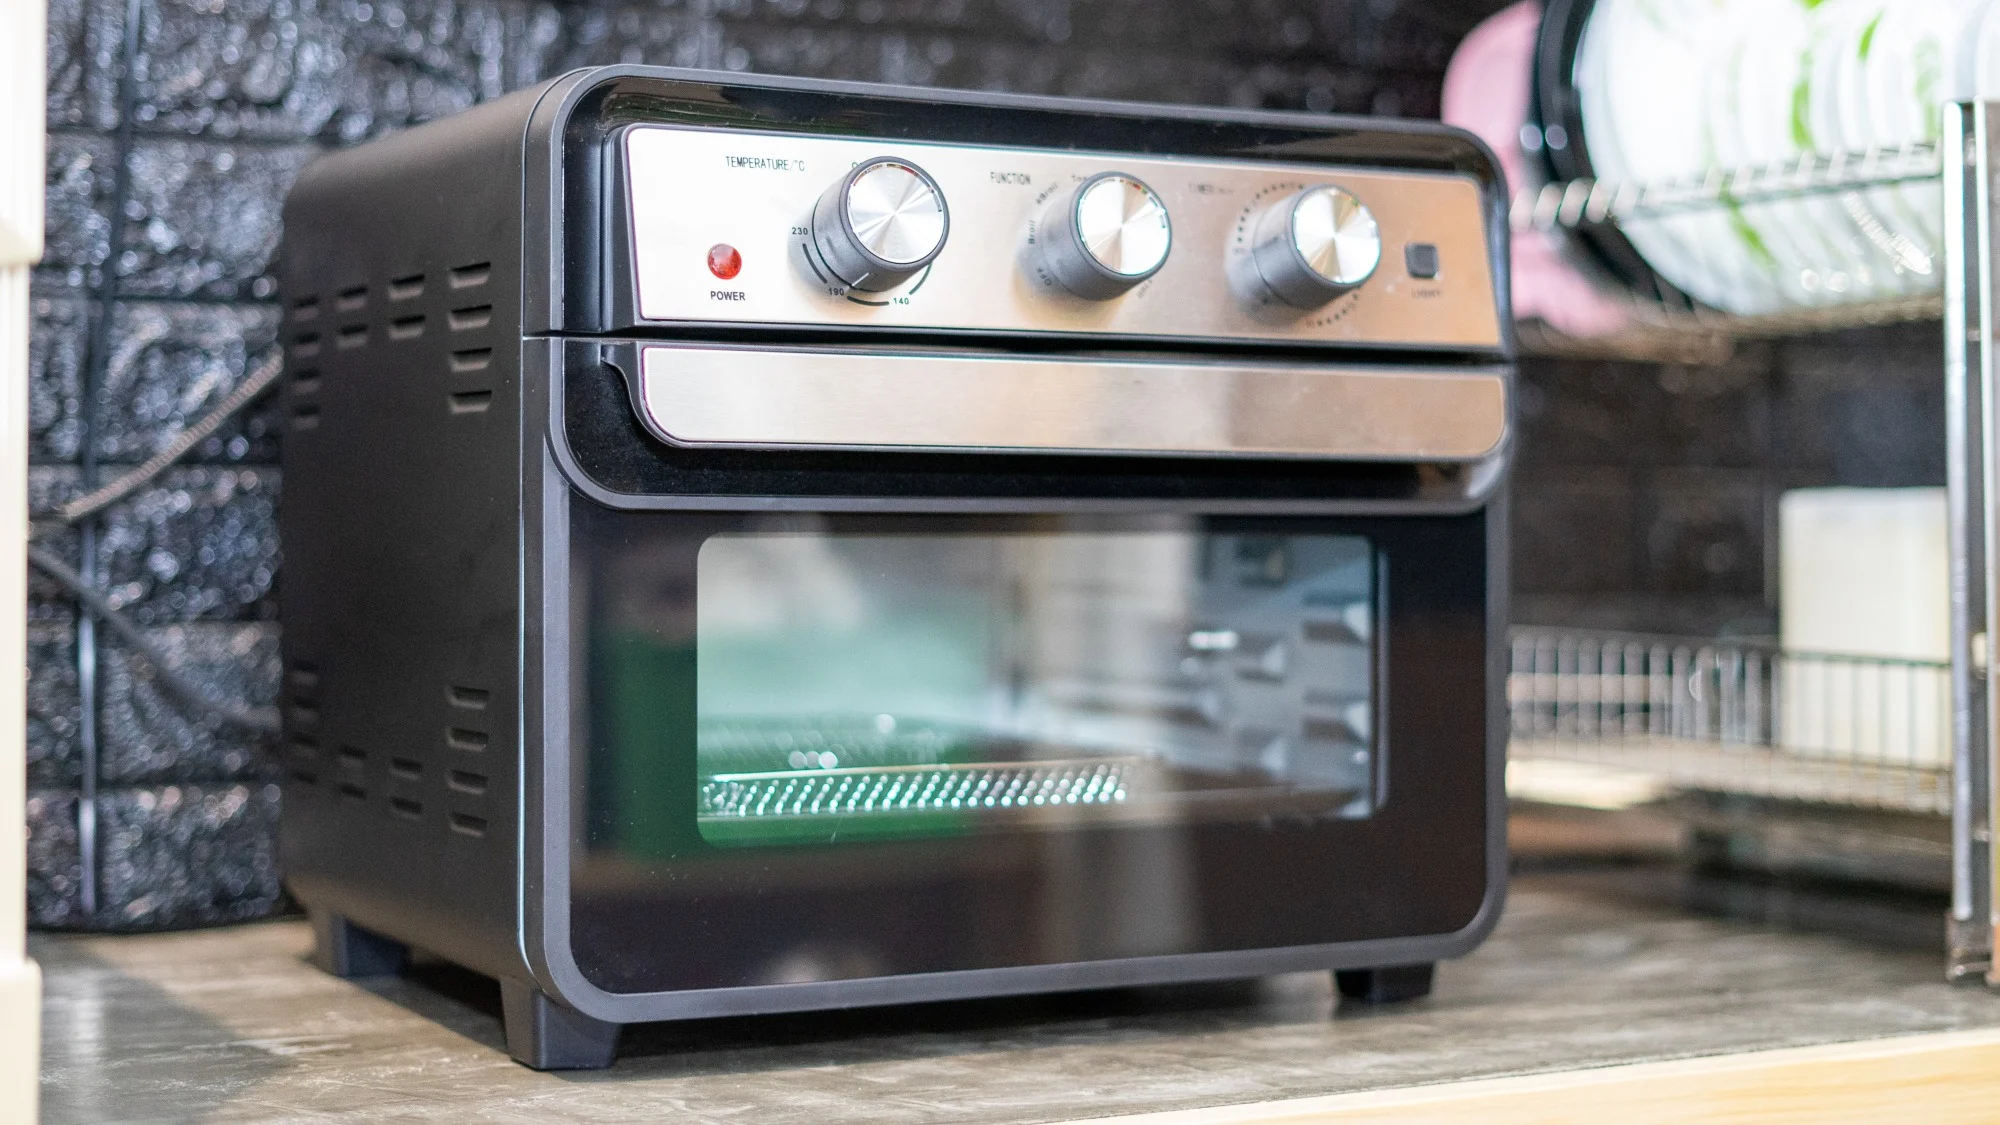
1486,92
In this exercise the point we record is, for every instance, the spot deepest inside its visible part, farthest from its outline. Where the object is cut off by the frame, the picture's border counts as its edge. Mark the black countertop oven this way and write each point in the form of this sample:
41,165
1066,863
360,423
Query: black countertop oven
758,545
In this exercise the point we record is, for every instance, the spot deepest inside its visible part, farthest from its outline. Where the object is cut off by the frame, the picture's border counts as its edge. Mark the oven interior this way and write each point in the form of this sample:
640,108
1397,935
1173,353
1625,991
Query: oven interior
859,684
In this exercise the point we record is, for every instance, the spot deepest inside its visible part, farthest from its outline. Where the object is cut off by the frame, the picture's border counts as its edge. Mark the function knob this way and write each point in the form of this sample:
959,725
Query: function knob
880,224
1104,236
1315,245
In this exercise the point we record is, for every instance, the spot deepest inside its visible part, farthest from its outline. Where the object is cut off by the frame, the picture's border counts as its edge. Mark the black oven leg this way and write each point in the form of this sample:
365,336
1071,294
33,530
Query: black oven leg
1389,985
346,950
546,1035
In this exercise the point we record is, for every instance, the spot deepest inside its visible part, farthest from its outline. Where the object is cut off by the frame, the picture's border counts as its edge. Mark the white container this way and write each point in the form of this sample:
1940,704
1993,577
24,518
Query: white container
1865,614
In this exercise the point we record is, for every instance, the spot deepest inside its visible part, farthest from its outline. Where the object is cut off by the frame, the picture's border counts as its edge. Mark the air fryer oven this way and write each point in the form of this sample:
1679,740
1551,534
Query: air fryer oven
759,545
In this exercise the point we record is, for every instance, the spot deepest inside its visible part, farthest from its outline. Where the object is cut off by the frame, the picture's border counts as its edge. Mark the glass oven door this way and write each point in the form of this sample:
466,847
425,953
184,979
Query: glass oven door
833,746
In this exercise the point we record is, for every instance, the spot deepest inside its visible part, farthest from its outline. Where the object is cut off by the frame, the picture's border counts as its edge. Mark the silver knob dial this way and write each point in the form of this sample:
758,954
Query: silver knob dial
1104,236
880,224
1315,245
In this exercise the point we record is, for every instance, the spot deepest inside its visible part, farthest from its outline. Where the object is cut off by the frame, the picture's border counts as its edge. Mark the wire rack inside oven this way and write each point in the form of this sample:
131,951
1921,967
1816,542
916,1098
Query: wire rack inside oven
1743,718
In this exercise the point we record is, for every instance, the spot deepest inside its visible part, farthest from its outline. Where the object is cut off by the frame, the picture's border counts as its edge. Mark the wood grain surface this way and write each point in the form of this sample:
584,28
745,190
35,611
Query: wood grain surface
1942,1079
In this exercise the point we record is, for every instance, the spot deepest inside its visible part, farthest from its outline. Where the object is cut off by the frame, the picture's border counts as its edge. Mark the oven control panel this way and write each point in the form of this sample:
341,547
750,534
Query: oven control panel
766,228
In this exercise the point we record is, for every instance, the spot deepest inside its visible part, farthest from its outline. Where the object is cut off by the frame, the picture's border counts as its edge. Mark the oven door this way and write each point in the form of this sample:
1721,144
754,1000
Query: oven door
828,747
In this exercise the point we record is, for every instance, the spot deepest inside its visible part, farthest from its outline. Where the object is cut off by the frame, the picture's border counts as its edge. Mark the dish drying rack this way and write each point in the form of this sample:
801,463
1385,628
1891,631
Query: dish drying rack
1727,717
1735,755
1690,333
1735,718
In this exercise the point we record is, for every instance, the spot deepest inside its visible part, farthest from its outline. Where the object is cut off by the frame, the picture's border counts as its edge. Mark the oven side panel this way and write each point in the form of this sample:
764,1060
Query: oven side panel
401,529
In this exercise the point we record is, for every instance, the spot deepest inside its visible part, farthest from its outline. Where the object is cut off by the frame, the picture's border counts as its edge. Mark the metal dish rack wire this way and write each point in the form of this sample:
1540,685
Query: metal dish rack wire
1741,718
1659,332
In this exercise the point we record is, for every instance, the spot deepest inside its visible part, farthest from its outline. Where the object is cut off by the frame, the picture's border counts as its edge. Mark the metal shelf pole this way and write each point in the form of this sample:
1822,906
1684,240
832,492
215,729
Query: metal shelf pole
1969,317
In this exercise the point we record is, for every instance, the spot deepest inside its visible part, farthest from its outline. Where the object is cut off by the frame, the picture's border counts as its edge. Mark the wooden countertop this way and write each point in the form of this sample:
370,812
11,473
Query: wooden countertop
234,1025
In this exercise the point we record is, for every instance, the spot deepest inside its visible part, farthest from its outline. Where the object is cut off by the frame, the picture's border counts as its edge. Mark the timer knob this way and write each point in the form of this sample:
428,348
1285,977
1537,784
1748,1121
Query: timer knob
880,224
1315,245
1104,236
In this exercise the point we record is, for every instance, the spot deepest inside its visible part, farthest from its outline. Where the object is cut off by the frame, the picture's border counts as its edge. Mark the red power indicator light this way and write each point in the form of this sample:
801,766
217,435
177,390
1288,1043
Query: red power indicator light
723,261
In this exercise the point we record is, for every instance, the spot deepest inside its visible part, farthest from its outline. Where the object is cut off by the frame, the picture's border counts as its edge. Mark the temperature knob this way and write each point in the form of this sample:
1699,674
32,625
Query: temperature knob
881,224
1104,236
1315,245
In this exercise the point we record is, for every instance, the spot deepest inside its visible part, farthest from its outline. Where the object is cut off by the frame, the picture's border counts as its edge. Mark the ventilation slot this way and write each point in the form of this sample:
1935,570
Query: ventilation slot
305,382
465,781
352,791
458,738
406,808
409,769
305,345
472,359
350,299
465,320
353,757
468,824
305,777
465,277
406,328
304,714
304,752
304,676
305,308
351,336
470,698
305,416
471,402
406,288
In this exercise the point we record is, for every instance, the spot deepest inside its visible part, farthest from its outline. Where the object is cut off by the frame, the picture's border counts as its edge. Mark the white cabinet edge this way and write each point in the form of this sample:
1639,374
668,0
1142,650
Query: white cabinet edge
23,109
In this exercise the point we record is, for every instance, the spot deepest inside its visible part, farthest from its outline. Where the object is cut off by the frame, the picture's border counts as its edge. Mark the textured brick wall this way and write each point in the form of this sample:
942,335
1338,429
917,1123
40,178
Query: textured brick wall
228,100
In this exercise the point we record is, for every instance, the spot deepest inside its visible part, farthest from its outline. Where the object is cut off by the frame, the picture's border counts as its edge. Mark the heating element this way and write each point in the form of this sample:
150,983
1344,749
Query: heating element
757,545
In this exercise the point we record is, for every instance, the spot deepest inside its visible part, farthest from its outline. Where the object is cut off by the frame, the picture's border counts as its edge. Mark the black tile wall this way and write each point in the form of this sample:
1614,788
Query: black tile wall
334,69
168,362
1594,413
151,839
76,231
1703,532
150,738
1574,531
1864,408
54,755
230,98
55,870
1646,495
83,63
203,219
58,342
199,543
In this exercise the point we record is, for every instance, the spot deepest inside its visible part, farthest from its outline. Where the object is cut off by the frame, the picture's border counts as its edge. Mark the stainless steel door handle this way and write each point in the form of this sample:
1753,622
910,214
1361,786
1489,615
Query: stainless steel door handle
766,398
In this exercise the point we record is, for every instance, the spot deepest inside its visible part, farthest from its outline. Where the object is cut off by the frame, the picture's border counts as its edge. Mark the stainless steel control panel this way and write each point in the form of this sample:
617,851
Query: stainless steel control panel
752,227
